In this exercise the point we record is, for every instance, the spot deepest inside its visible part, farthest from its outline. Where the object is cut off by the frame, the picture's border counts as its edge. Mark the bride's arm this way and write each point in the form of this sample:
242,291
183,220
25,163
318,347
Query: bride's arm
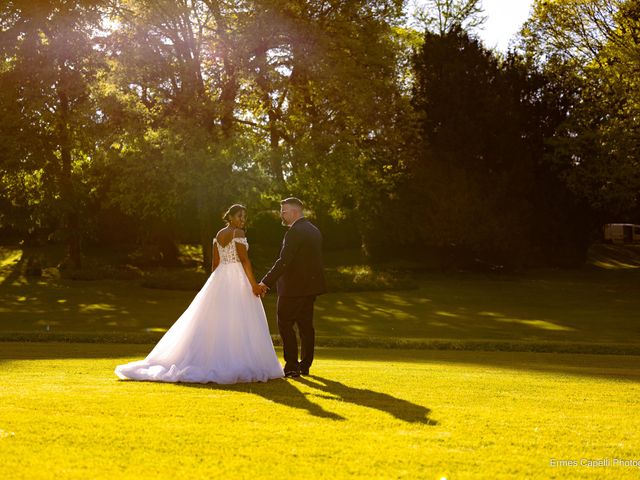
243,255
215,258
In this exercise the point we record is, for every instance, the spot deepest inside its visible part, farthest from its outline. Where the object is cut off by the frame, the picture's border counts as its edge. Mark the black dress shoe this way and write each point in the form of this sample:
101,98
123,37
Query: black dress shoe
304,371
291,373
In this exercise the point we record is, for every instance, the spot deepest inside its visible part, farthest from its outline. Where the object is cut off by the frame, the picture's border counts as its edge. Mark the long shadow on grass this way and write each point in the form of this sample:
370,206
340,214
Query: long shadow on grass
283,392
399,408
278,391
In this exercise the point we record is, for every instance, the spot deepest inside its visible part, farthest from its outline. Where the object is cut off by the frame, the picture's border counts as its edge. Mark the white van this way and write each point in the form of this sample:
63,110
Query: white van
621,233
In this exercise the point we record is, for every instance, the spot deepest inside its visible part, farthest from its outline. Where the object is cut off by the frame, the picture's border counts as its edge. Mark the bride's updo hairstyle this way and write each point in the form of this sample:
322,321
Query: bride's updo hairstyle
233,209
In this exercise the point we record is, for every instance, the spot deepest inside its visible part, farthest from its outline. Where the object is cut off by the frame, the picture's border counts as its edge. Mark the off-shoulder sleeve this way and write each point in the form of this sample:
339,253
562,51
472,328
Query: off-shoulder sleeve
242,240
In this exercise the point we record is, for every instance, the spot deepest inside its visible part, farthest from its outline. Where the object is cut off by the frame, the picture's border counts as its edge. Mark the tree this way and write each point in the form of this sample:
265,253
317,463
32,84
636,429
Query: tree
183,107
442,16
171,97
329,100
477,184
49,64
594,47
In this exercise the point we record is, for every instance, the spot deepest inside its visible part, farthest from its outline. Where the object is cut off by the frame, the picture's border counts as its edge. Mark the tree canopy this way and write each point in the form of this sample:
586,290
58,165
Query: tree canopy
141,120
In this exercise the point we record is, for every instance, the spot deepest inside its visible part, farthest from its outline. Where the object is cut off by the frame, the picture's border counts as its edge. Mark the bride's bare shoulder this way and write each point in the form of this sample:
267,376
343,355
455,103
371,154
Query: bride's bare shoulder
223,234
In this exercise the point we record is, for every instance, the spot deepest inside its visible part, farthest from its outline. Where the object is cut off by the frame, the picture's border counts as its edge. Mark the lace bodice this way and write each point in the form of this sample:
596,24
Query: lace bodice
228,253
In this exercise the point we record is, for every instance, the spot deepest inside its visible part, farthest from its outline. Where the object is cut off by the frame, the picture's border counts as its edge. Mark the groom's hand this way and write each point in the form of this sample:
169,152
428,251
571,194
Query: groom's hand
264,289
258,291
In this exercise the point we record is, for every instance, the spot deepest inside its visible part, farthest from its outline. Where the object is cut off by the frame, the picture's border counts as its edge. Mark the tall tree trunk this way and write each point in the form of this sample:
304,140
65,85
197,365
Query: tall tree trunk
206,230
275,135
301,81
227,99
230,84
71,222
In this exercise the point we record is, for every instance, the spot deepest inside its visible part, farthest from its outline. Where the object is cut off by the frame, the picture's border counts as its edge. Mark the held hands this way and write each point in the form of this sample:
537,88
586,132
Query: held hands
263,288
260,289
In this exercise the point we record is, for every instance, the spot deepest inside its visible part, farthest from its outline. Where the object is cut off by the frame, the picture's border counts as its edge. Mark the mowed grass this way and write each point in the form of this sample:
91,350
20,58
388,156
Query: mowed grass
600,307
365,413
596,304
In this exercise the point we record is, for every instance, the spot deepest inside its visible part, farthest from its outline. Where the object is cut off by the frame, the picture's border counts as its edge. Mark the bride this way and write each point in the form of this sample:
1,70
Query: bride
222,336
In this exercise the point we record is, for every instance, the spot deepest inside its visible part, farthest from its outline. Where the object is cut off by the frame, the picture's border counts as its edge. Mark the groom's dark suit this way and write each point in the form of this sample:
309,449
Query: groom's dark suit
298,276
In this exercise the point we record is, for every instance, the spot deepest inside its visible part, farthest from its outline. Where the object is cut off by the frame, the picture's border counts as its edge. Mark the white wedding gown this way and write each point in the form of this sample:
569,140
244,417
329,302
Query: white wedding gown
221,337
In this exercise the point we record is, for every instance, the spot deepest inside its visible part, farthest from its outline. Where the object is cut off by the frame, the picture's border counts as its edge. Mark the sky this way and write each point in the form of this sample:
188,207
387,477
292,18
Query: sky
504,19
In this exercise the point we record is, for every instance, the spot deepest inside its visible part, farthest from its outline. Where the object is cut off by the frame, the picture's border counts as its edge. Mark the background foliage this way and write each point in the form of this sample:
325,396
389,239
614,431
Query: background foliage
139,121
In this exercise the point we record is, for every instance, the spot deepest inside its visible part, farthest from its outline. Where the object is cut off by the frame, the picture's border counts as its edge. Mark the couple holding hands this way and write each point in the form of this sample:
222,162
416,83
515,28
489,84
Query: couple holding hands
223,335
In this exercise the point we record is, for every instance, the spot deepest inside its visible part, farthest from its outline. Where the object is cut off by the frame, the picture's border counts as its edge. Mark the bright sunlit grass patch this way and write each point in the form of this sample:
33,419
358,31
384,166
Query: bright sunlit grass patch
543,324
9,257
615,257
614,265
365,413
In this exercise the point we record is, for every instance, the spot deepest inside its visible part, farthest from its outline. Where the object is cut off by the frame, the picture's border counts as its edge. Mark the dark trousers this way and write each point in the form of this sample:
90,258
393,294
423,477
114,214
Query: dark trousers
296,311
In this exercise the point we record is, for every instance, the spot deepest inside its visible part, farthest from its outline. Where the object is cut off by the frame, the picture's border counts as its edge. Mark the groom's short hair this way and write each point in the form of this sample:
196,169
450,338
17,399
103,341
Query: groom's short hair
292,201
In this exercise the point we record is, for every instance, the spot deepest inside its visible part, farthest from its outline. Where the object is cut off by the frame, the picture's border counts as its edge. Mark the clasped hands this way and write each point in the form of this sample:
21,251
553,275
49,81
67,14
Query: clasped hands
260,289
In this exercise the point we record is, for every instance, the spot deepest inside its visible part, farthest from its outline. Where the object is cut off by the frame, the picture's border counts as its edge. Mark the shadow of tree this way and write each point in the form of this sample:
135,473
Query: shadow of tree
399,408
541,307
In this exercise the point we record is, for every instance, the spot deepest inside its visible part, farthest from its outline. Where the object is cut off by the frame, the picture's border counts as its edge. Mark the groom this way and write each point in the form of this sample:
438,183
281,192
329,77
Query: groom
299,278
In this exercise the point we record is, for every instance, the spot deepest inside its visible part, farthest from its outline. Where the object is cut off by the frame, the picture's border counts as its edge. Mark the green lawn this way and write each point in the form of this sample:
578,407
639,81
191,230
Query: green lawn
365,413
596,306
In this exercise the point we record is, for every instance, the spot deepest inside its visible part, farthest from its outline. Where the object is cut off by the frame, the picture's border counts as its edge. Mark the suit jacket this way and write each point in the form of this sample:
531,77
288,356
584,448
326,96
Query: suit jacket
298,271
